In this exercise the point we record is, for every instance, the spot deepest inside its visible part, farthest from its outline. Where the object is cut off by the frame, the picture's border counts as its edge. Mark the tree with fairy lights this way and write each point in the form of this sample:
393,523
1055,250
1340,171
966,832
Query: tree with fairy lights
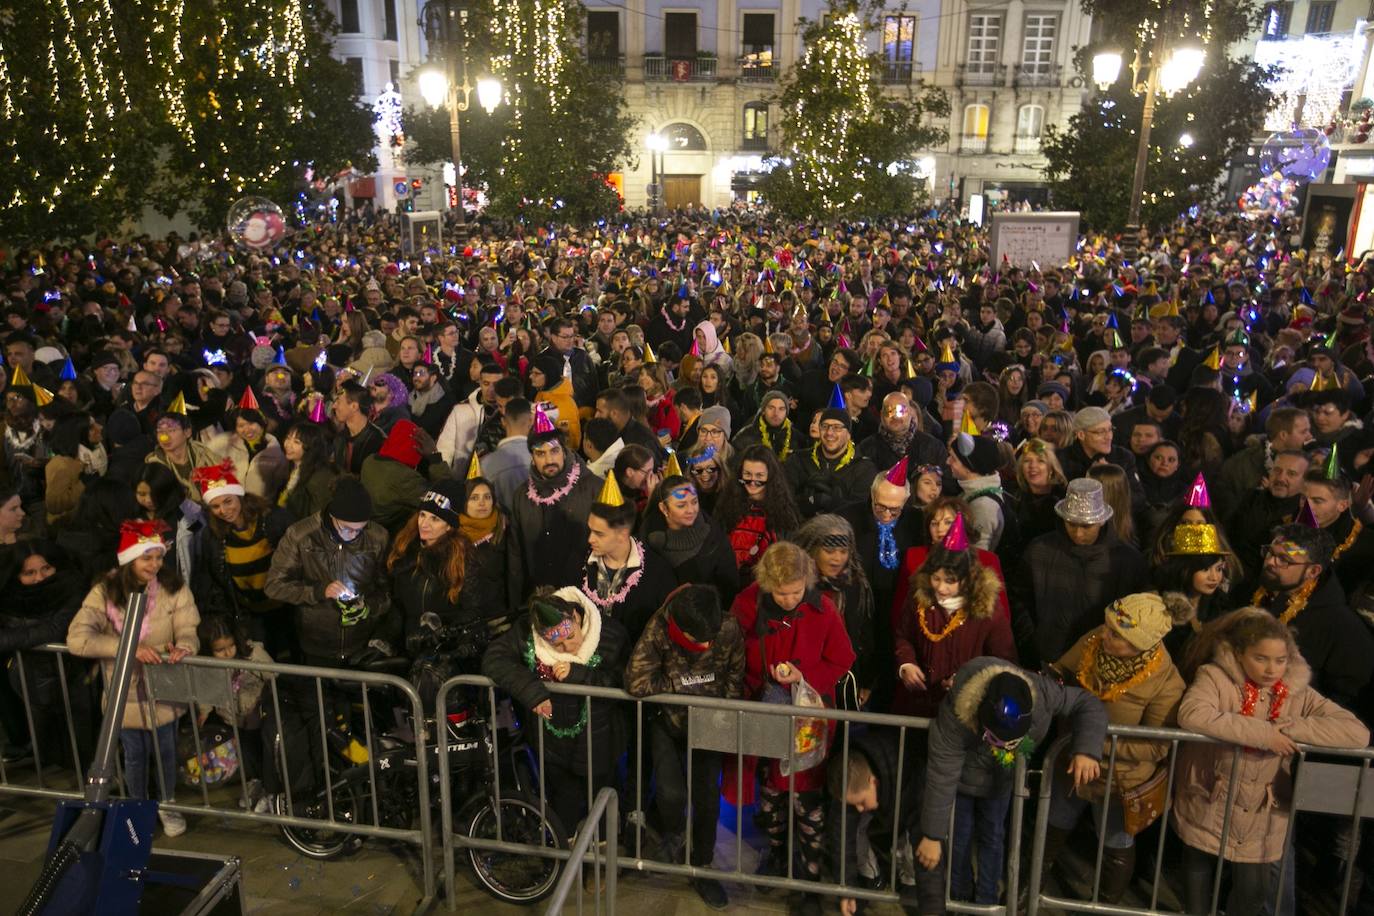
546,152
848,146
1194,134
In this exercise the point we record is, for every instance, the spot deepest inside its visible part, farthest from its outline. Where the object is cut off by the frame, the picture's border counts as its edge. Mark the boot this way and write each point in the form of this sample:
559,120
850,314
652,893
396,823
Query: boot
1056,839
1118,868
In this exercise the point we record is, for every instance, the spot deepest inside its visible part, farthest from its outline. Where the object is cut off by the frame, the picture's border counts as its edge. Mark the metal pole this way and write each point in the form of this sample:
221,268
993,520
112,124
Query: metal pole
1142,152
117,691
453,50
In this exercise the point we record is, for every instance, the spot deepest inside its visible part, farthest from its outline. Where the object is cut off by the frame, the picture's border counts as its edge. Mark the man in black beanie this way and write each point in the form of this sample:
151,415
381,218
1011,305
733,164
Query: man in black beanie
690,647
830,475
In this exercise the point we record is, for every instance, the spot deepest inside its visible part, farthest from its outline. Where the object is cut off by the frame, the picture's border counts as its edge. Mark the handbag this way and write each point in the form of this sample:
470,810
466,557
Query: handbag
1142,805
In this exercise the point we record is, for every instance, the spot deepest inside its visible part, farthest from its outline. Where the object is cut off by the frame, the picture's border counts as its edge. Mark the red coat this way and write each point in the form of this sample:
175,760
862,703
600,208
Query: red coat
912,562
816,642
664,416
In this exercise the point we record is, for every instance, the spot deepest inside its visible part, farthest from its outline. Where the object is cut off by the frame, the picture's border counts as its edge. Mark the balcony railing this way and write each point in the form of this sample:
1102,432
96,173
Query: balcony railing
982,75
1026,145
754,70
1031,75
898,72
972,143
679,69
756,143
608,65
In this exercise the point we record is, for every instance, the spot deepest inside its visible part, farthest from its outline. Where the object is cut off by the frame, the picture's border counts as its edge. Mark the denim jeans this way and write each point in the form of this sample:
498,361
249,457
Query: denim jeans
1066,809
138,749
984,821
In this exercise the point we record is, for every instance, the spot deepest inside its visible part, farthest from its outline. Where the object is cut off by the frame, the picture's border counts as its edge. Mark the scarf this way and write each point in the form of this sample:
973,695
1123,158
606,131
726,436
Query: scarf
116,614
547,656
543,491
887,545
678,547
899,443
93,460
766,434
477,530
1114,670
421,400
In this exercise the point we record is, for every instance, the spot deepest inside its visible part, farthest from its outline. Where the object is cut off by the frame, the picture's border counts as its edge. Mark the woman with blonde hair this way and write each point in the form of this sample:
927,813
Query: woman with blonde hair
1057,428
1117,492
1040,483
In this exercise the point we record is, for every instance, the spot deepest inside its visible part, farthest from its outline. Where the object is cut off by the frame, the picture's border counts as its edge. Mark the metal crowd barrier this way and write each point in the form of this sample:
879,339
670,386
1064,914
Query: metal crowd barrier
749,720
208,681
605,807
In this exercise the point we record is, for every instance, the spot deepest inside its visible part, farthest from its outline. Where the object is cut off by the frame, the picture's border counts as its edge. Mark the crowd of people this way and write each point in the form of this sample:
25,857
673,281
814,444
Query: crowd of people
726,456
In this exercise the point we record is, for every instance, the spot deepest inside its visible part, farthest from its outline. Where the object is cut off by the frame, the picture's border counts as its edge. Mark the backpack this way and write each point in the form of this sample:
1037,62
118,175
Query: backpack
1011,544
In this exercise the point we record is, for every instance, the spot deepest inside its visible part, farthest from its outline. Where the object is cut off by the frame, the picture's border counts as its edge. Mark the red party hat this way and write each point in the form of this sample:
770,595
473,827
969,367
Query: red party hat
542,424
249,401
956,539
1197,496
896,475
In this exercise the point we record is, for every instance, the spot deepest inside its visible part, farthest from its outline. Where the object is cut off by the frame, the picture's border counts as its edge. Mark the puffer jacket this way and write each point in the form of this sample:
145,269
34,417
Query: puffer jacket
1152,702
658,665
1264,782
171,619
307,559
960,761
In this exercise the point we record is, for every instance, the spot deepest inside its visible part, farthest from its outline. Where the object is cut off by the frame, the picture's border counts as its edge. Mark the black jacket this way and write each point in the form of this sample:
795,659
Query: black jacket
820,486
700,554
635,609
924,449
1335,642
210,580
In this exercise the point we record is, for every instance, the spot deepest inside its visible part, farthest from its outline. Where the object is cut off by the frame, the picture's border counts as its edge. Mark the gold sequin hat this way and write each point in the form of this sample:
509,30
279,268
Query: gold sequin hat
1194,540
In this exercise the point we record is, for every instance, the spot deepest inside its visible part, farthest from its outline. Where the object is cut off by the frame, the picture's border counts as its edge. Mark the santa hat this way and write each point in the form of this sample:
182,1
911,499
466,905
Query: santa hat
216,481
138,536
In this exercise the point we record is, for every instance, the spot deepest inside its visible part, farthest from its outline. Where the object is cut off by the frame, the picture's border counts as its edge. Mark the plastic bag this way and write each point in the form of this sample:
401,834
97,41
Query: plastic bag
810,735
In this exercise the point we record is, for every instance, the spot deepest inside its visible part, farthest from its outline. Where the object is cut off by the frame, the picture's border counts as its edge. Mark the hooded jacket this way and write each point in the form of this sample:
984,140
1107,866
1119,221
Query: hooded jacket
1263,791
960,761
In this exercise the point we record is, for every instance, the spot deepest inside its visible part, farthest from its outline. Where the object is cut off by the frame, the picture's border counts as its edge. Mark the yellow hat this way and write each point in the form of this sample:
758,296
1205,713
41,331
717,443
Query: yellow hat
1195,540
20,378
42,395
1213,360
966,424
610,492
474,466
672,468
178,405
1320,382
946,353
768,344
649,357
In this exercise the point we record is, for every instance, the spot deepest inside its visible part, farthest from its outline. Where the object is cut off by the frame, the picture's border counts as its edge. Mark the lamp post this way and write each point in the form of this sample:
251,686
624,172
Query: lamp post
657,144
444,23
1169,71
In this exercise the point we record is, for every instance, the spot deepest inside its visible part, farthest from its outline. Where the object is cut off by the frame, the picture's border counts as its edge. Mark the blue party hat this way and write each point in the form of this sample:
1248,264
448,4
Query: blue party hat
280,359
837,398
68,371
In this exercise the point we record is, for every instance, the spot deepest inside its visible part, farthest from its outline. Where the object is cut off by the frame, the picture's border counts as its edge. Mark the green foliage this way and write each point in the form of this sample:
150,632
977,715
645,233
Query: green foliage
841,131
560,130
1092,158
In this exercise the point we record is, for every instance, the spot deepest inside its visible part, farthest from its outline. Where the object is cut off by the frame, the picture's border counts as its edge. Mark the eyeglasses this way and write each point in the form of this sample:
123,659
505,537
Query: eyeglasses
883,511
753,482
833,428
1280,556
705,470
711,431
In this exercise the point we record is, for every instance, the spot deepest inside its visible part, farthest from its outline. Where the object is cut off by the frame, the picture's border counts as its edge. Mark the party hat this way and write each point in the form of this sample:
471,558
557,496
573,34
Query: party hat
428,358
837,398
249,401
671,468
1305,516
919,346
1197,496
946,354
610,492
767,346
696,348
966,424
1116,343
542,424
956,539
1252,402
20,378
132,326
1213,360
842,342
896,475
68,371
649,357
725,344
910,368
1332,470
1320,382
178,404
317,414
280,358
868,368
42,396
474,466
367,376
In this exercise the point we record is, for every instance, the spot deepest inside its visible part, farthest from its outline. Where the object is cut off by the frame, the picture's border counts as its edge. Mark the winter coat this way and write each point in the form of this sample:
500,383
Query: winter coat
64,487
1239,474
248,687
210,577
641,602
307,559
700,554
172,619
1334,642
1075,462
856,610
658,665
821,486
262,474
915,558
459,434
396,489
960,761
200,455
32,615
508,662
485,586
986,631
924,449
1153,702
1353,565
1263,795
550,541
507,469
311,495
419,586
560,397
812,638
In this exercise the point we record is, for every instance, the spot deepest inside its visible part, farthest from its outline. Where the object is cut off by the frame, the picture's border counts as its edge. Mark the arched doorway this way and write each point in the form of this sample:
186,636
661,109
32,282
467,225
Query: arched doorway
681,171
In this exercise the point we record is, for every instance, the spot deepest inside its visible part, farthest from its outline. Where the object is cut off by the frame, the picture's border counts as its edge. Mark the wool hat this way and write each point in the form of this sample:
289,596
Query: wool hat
978,453
400,444
1141,619
1047,388
216,481
138,536
837,414
104,358
350,502
696,611
1036,405
1083,503
716,416
1089,417
445,499
1007,706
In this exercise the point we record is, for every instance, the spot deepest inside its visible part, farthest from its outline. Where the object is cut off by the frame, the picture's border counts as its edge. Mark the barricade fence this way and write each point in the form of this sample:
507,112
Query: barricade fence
356,755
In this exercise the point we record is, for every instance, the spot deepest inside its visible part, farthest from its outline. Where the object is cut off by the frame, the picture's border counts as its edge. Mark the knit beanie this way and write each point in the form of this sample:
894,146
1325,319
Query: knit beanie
350,502
445,499
400,444
1141,619
716,416
978,453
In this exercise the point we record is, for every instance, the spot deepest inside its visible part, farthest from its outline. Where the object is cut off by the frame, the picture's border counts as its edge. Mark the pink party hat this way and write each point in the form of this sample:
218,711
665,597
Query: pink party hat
429,354
317,412
542,423
1305,516
696,348
956,539
896,475
1197,496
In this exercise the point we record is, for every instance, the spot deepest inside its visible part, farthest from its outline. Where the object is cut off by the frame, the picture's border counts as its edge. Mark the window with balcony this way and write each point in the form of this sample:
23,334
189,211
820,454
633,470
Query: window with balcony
603,41
757,60
1030,121
1037,48
355,70
390,30
348,16
1277,18
975,132
984,43
680,35
899,43
1320,15
755,126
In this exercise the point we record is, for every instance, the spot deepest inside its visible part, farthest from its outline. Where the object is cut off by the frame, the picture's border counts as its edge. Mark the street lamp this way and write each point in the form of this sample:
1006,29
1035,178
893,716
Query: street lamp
444,23
1169,71
657,144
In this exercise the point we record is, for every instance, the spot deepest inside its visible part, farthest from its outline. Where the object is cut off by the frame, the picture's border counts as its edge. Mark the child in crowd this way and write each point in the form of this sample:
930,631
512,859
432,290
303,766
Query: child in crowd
1251,689
222,638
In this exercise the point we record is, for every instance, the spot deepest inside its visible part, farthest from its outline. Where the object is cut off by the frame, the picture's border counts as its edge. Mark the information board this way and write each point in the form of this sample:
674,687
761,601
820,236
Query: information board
1046,238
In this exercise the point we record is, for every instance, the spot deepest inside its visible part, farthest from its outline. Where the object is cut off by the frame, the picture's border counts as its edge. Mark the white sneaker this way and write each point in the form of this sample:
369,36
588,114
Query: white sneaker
173,824
255,793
